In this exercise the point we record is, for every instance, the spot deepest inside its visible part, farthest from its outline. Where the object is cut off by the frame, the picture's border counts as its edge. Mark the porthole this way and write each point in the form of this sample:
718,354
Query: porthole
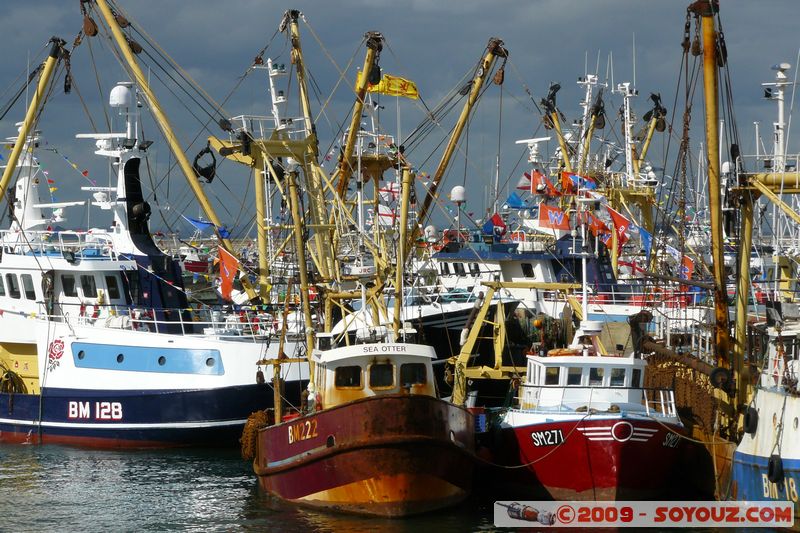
795,422
210,361
162,360
81,354
120,358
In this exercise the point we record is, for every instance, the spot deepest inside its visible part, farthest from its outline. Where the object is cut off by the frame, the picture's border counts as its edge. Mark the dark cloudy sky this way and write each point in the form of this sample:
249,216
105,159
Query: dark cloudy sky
434,43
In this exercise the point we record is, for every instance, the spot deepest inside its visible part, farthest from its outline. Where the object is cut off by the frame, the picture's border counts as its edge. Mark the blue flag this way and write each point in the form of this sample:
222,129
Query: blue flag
515,202
647,242
202,225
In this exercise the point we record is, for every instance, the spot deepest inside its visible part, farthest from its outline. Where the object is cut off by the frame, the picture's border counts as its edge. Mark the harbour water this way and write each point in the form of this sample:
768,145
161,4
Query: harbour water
53,488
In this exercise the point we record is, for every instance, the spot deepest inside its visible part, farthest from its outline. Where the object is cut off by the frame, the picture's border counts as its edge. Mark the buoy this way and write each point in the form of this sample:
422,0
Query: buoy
775,468
750,420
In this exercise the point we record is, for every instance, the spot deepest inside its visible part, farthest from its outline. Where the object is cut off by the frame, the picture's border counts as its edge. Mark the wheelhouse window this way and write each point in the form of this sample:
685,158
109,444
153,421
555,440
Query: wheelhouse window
445,269
13,285
574,375
88,286
413,374
27,286
381,375
596,376
459,268
348,377
2,287
113,287
617,377
474,269
636,381
527,270
551,375
68,282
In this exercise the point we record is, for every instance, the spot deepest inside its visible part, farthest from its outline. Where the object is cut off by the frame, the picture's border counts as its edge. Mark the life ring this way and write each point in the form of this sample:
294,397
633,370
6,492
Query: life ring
557,352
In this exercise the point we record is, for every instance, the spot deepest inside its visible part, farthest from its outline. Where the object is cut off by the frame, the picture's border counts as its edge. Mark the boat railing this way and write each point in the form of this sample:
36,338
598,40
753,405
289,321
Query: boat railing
652,402
68,244
686,332
262,127
242,325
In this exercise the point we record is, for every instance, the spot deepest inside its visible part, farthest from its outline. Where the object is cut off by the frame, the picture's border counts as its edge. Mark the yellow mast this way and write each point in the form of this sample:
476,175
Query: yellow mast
169,135
494,49
401,251
56,52
344,169
722,343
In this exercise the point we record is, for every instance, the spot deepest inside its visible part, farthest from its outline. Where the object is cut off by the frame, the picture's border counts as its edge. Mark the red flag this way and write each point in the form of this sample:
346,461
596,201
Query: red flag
567,187
621,225
596,226
85,173
228,267
525,183
553,217
499,224
687,267
544,185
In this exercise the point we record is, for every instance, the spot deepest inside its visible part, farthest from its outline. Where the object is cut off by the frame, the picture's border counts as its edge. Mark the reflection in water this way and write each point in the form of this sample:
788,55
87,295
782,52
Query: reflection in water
48,488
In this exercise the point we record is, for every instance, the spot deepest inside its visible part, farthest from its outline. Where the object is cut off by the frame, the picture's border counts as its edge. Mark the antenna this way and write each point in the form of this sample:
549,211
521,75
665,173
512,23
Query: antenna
597,65
585,63
634,59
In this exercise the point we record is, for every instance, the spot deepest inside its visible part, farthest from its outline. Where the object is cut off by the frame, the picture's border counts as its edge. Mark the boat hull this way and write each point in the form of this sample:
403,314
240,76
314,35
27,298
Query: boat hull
591,458
391,455
133,418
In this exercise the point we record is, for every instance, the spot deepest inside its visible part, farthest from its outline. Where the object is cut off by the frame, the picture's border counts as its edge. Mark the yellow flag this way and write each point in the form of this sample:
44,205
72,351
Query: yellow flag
394,86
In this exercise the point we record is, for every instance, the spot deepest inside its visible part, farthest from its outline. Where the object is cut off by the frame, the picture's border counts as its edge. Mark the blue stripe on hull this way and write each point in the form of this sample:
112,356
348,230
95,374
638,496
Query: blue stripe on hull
135,418
751,482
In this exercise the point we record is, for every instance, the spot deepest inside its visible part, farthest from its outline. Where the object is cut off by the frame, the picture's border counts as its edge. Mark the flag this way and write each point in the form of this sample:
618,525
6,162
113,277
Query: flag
394,86
581,182
597,226
542,185
687,268
552,217
673,252
647,242
85,173
515,202
50,181
202,225
495,226
524,183
228,267
621,225
567,186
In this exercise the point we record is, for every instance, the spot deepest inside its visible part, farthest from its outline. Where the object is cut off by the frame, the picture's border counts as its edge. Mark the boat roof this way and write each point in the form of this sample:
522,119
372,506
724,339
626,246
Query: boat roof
371,350
591,360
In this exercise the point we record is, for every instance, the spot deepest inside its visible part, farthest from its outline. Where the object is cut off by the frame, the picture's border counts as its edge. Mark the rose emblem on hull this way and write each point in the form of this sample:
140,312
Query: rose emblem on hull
54,353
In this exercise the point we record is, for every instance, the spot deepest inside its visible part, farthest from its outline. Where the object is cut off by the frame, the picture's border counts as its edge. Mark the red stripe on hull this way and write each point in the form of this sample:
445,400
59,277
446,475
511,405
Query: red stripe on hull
387,455
591,464
13,437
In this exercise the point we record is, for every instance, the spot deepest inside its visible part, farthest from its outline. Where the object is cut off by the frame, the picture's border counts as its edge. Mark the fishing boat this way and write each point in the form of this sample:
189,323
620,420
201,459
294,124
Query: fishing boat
99,344
586,428
377,441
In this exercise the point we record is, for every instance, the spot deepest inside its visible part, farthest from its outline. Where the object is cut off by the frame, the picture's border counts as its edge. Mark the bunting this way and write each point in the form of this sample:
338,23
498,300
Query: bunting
552,217
621,225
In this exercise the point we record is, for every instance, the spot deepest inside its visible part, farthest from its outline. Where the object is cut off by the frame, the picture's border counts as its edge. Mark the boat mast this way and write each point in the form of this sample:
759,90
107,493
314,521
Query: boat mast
707,11
401,251
344,169
494,50
169,135
57,51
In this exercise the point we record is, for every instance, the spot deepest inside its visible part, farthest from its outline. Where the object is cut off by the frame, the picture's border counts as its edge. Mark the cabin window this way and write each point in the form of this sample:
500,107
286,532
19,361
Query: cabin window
348,377
527,270
459,268
88,286
551,375
474,269
13,285
617,377
68,282
2,287
637,378
596,376
444,269
27,286
113,287
381,375
574,376
413,374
